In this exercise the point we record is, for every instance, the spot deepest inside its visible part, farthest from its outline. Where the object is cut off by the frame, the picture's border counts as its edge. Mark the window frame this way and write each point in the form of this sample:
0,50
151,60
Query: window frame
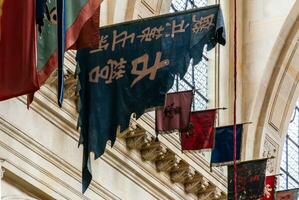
287,173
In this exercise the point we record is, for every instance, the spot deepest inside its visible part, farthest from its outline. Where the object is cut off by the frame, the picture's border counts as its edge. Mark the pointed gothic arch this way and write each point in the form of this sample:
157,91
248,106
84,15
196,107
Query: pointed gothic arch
278,95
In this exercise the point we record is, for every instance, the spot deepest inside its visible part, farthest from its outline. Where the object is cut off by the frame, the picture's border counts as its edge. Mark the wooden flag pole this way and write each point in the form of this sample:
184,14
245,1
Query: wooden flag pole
235,99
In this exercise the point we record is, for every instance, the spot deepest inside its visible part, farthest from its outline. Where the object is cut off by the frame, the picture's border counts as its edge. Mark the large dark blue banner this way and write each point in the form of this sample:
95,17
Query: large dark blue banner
133,68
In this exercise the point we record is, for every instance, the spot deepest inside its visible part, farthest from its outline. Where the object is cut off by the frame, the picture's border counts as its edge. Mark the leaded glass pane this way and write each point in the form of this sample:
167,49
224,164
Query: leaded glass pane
196,76
283,180
290,155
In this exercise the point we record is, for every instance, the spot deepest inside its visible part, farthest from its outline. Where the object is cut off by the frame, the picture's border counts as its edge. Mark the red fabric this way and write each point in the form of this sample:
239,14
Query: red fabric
269,188
88,21
201,134
176,112
17,49
89,34
44,74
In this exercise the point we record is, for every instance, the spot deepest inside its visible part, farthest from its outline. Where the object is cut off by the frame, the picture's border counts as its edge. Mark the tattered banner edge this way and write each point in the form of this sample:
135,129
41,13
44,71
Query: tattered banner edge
220,38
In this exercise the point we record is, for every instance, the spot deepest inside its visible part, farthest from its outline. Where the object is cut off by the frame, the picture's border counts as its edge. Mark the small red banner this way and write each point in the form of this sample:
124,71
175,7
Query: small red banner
201,133
269,188
176,112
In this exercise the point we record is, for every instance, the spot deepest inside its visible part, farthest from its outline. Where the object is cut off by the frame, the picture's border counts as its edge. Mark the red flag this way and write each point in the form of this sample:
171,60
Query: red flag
269,188
89,33
17,48
176,112
201,134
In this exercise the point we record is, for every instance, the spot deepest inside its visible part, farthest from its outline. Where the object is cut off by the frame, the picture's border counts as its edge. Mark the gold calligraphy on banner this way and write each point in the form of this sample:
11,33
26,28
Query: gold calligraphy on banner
204,23
1,6
149,34
115,70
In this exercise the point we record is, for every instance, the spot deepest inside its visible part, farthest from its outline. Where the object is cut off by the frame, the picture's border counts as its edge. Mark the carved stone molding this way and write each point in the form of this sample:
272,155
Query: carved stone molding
206,196
211,192
136,142
206,186
166,161
132,131
1,170
270,150
151,154
192,185
70,87
180,172
70,83
152,144
219,195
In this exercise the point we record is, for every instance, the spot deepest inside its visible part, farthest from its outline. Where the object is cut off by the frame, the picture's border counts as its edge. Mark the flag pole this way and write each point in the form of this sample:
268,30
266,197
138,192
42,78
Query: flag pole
221,108
230,163
277,174
235,99
246,161
209,109
61,49
244,123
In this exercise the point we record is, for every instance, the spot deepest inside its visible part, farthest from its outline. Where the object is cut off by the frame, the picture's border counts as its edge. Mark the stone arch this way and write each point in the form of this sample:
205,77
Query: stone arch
278,95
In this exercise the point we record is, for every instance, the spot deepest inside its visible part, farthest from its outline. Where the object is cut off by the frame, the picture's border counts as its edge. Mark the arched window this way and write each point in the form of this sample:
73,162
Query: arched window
289,167
197,76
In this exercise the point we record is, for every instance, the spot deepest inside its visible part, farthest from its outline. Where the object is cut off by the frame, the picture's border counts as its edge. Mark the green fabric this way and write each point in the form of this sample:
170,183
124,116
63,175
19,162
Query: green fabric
47,40
73,8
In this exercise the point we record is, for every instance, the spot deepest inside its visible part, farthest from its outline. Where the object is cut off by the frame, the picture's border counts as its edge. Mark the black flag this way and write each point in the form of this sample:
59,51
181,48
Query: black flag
250,180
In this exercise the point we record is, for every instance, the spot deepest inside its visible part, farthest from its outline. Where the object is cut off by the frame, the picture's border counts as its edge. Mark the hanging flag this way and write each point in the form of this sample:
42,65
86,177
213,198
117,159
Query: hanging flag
89,33
75,16
175,114
61,28
201,133
269,188
41,11
250,180
133,68
223,151
287,194
17,48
